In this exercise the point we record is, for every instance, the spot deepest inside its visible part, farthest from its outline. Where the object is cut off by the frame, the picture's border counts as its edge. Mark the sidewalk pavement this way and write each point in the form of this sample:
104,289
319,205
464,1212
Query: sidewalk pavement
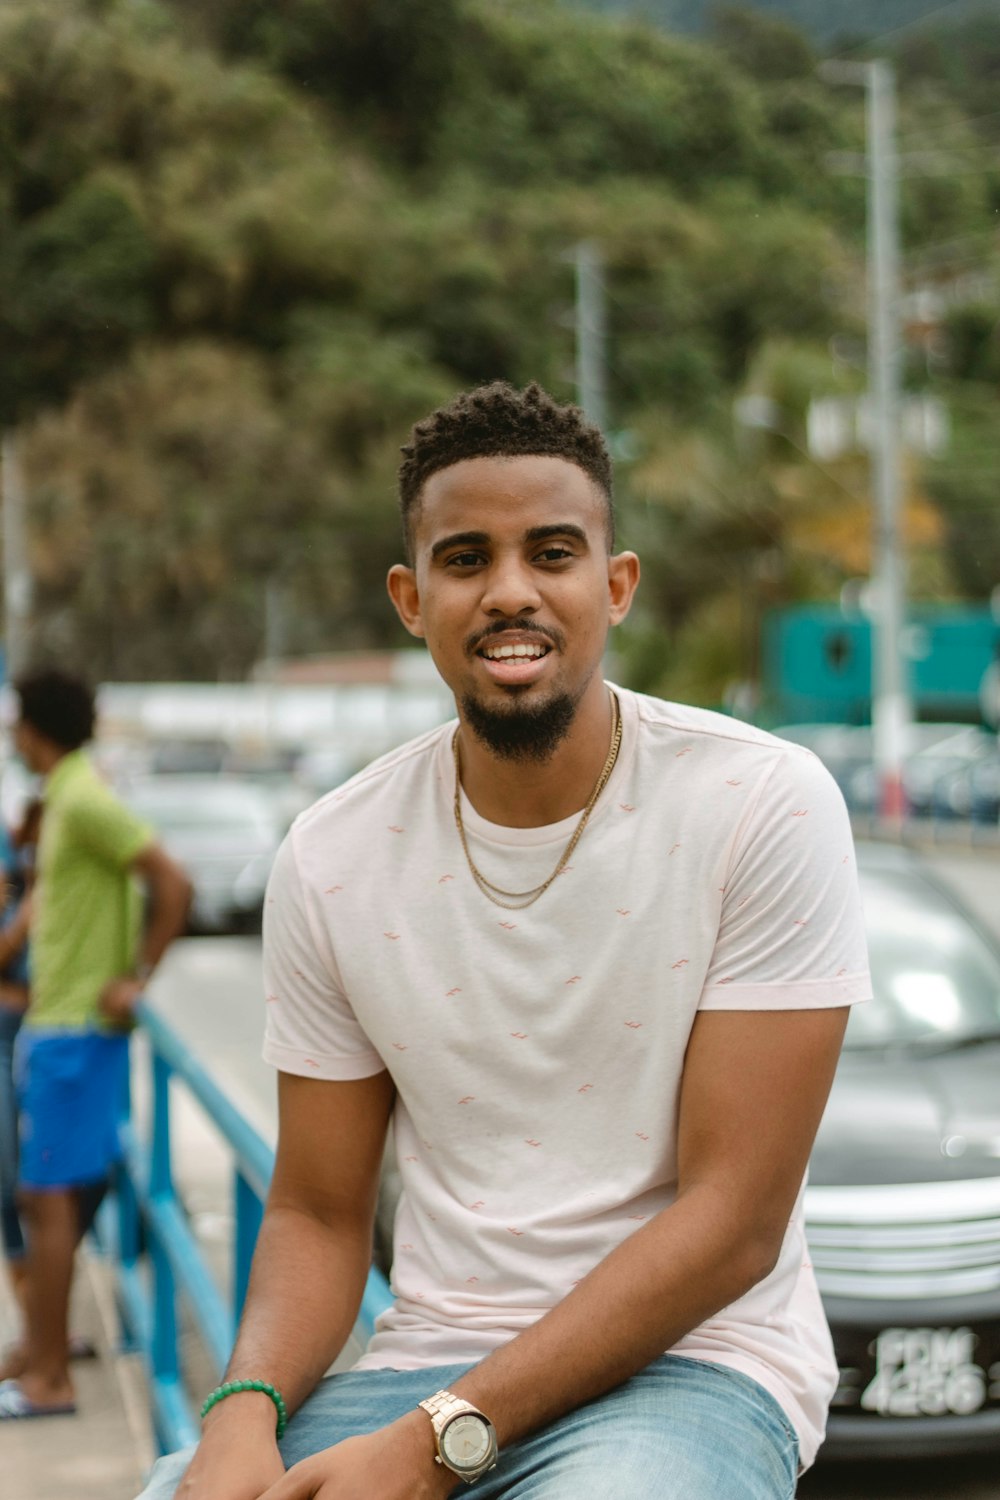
104,1451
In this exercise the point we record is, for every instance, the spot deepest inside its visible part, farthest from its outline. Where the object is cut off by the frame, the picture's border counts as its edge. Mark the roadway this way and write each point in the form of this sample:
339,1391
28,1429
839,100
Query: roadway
210,988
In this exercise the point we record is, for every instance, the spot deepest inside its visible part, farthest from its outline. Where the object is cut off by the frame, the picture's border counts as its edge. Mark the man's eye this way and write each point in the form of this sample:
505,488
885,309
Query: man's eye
553,554
465,559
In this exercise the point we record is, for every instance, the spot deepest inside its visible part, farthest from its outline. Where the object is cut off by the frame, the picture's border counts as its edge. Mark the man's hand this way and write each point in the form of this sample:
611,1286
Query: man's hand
118,1001
395,1463
231,1464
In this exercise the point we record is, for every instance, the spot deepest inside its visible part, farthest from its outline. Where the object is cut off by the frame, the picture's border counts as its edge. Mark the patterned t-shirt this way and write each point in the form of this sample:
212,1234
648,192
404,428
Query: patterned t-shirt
537,1054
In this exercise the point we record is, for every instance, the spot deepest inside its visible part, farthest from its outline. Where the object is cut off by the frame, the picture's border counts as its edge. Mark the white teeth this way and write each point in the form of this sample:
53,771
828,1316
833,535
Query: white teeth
503,653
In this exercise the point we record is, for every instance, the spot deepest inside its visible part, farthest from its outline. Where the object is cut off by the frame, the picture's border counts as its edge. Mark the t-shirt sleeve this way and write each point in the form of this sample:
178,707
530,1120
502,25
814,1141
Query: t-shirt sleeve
791,933
107,828
311,1028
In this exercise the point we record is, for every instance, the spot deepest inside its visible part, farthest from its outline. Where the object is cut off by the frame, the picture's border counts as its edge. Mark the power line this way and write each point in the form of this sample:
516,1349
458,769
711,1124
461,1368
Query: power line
913,25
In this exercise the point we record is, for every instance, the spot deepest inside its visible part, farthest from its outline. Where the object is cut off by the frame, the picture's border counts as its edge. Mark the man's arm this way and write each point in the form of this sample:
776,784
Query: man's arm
754,1087
169,897
309,1271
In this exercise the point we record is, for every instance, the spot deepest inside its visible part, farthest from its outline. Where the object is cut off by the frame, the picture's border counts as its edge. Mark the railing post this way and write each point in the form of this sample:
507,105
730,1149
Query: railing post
164,1341
249,1212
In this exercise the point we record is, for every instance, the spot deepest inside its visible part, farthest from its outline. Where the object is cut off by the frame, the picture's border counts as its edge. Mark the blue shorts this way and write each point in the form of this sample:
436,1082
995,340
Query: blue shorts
72,1091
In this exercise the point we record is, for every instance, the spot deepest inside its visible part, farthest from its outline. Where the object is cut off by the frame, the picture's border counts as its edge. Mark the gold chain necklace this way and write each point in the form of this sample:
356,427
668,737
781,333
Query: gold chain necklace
521,899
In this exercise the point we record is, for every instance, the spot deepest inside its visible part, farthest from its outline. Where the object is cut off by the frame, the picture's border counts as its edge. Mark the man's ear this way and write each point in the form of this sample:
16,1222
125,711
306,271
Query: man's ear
623,580
402,585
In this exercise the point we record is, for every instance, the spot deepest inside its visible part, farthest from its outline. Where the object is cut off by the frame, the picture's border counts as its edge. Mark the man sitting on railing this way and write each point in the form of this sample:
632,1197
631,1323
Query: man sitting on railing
592,953
90,963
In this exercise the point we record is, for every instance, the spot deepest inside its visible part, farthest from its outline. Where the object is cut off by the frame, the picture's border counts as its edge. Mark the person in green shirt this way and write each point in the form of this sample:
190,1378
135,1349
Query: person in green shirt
92,955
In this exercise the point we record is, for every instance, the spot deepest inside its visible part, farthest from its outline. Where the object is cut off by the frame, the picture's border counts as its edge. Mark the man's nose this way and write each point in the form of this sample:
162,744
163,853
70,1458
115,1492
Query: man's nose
510,589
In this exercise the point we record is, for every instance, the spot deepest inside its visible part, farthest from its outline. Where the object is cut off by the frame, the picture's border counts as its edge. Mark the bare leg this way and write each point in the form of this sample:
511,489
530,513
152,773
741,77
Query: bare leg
52,1221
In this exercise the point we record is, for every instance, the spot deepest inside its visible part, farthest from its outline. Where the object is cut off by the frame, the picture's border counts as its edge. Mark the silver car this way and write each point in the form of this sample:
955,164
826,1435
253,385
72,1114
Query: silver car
224,832
903,1207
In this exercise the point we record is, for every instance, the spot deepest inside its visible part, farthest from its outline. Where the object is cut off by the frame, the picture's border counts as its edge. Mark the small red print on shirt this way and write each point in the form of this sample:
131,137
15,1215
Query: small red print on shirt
528,1142
469,1099
672,851
584,1087
333,890
448,993
734,783
479,1203
575,979
272,1000
394,828
514,1231
642,1136
471,1280
444,878
399,1046
392,936
686,751
522,1036
681,963
634,1025
311,1062
624,911
626,807
508,926
801,812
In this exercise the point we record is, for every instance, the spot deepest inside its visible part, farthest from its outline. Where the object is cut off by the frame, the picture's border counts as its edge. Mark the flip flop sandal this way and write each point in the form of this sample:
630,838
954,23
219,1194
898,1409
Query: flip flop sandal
16,1407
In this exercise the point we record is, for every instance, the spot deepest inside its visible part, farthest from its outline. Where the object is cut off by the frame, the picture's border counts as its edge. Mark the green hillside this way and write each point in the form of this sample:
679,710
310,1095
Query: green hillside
243,247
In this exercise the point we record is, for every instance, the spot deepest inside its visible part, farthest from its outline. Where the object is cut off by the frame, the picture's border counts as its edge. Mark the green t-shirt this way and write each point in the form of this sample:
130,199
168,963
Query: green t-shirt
87,906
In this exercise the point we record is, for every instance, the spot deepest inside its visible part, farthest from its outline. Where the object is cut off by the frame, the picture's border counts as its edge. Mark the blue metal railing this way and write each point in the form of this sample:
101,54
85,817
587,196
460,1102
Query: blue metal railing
156,1255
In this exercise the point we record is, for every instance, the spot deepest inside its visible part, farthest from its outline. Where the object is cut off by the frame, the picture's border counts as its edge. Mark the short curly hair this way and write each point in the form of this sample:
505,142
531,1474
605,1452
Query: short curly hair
58,705
499,421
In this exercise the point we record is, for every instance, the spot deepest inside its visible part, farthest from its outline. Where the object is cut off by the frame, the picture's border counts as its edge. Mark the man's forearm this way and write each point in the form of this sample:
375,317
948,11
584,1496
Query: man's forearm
664,1280
170,899
305,1289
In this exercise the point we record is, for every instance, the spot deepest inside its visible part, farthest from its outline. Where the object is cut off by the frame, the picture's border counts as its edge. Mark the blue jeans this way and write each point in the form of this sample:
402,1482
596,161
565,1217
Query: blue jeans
10,1224
679,1430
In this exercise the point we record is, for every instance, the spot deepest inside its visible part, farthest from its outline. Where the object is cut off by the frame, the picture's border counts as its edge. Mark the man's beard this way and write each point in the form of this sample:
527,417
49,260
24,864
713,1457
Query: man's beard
521,732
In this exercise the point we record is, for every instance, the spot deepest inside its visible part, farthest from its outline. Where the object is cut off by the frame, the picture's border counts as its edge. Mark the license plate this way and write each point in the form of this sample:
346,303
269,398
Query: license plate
919,1372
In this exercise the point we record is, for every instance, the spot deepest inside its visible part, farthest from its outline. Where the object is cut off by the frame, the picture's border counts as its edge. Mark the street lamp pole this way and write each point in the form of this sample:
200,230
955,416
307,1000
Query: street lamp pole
891,703
591,334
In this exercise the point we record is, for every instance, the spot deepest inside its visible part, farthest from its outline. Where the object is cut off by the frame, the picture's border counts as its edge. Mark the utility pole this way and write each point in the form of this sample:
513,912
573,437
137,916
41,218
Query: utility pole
591,333
16,573
891,702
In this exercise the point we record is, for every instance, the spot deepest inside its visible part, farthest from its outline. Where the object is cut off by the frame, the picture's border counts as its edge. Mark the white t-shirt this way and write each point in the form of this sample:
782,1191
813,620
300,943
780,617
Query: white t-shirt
537,1054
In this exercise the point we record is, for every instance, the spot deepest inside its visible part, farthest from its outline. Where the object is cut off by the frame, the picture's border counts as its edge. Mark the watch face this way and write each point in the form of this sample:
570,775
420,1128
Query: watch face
465,1442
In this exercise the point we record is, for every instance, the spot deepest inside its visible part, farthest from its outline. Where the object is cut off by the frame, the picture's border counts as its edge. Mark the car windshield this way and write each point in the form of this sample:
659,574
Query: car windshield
936,981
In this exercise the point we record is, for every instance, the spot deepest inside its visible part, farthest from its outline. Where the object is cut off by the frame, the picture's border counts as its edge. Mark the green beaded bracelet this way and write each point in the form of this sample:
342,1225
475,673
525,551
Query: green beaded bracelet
233,1387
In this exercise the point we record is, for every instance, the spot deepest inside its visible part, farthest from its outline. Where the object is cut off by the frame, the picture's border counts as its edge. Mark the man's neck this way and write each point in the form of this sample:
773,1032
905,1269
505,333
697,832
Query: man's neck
49,759
527,793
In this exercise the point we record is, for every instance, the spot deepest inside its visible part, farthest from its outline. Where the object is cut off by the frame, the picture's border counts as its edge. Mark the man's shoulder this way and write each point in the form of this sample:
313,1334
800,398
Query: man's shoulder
384,780
661,719
713,745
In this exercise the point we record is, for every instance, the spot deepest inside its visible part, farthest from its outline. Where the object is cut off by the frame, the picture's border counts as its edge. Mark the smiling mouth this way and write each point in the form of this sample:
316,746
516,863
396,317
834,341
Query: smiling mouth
509,653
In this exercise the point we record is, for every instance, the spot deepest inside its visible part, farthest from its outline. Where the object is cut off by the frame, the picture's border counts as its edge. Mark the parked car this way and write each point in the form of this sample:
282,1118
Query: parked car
224,832
903,1207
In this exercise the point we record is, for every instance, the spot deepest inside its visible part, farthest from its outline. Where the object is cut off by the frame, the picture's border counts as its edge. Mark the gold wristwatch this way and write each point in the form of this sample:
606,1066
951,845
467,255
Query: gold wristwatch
465,1439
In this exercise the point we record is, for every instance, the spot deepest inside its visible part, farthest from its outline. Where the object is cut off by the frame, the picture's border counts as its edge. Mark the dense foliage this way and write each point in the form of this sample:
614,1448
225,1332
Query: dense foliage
243,246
